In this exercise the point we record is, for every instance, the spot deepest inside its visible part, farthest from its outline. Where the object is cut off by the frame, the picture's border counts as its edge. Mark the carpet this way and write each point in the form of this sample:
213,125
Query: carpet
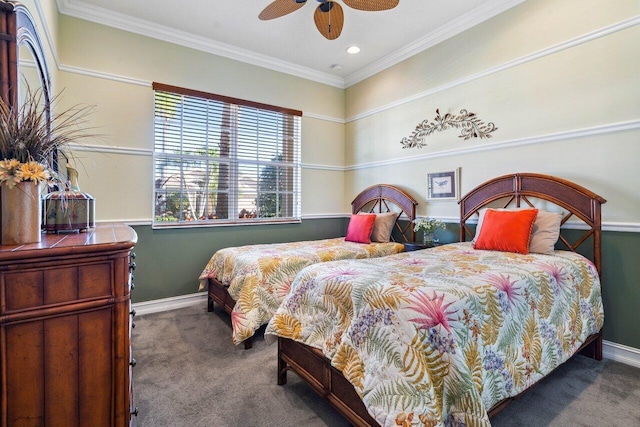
189,373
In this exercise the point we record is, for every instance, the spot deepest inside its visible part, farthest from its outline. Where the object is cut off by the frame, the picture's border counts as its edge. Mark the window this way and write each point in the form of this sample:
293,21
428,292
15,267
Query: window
220,160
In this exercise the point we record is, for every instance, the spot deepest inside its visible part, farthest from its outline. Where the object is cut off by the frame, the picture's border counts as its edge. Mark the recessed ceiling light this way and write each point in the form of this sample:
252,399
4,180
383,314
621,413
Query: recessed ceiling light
353,49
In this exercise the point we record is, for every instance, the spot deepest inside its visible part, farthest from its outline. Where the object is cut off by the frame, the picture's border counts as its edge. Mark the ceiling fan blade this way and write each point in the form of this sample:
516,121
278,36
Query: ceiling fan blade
371,5
329,19
280,8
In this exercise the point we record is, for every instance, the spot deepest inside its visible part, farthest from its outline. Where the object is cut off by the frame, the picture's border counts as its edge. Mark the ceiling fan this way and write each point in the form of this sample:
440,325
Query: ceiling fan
328,15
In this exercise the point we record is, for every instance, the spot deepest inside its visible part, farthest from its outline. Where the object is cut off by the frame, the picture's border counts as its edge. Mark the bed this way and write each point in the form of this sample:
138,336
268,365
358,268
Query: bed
449,335
249,282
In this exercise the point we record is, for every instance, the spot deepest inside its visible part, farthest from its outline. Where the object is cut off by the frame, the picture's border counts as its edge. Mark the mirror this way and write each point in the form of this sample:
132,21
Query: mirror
28,73
32,68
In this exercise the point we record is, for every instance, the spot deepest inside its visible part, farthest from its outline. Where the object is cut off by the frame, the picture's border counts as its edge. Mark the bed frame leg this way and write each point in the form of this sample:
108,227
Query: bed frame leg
282,366
593,350
209,304
248,343
597,344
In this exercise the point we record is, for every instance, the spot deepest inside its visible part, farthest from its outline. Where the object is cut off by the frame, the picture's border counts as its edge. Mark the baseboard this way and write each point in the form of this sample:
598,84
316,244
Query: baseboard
172,303
621,353
610,350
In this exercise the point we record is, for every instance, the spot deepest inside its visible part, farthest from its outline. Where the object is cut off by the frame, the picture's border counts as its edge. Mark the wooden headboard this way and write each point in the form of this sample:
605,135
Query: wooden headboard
526,188
387,198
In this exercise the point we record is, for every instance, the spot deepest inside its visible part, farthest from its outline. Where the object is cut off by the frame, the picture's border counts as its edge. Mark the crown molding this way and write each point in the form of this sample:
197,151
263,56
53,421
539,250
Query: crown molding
461,24
160,32
145,28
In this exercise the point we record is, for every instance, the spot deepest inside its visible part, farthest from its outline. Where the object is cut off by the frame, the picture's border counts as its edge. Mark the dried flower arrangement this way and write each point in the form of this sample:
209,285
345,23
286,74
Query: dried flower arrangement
28,139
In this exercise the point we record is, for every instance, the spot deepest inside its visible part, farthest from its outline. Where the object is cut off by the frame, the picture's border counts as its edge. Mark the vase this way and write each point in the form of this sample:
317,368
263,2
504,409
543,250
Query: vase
430,239
21,213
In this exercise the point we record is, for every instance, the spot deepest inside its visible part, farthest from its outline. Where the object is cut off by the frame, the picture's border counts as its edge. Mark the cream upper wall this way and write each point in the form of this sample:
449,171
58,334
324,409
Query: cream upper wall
112,70
589,85
538,106
598,171
530,27
594,82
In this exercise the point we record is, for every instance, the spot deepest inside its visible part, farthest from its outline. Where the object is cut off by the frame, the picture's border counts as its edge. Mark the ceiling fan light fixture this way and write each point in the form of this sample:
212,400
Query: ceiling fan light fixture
326,6
328,16
353,50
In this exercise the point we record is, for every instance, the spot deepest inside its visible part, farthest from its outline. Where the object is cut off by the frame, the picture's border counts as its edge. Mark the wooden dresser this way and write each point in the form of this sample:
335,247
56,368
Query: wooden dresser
65,329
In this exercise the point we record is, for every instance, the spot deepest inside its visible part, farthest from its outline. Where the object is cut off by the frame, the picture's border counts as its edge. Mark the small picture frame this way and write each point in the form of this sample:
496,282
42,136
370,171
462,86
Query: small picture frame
443,185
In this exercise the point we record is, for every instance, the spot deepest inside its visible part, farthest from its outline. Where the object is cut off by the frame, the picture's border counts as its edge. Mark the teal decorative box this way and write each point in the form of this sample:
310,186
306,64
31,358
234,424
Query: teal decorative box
69,210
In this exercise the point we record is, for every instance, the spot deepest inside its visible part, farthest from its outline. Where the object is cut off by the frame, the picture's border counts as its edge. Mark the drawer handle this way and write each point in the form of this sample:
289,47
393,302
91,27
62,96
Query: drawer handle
135,412
133,325
133,255
133,362
132,286
133,313
132,266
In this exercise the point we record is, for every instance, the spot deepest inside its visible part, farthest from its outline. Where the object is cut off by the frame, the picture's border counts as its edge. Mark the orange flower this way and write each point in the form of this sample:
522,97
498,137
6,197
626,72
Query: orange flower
13,172
32,171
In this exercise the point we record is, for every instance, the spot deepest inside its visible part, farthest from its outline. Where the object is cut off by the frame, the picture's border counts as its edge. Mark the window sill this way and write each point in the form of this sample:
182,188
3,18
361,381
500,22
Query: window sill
197,224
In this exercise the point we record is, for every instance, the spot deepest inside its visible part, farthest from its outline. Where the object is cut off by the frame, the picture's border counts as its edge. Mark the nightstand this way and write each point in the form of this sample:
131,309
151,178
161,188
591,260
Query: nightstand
416,246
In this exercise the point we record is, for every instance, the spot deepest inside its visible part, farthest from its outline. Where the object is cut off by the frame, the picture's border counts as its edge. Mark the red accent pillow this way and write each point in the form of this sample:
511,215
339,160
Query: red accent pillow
360,228
507,231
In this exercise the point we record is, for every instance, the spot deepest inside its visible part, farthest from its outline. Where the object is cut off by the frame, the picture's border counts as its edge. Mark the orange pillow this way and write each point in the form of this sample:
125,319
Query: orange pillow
360,228
507,231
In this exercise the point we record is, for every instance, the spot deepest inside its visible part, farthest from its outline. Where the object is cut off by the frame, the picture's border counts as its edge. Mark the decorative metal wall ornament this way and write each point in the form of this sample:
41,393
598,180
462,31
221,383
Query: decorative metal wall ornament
470,127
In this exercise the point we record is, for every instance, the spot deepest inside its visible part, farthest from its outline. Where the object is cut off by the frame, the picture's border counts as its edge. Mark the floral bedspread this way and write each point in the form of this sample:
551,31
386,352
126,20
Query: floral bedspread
259,276
439,336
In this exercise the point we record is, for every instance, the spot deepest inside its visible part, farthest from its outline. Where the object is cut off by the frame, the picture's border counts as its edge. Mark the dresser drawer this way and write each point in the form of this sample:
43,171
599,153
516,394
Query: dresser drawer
38,288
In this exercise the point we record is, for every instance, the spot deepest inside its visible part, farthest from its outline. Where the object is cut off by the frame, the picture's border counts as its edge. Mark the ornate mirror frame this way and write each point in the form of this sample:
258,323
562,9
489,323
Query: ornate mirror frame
17,27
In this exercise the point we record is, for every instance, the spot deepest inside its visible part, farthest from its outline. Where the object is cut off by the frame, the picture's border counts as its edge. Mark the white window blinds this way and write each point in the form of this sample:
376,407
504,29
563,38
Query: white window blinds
223,160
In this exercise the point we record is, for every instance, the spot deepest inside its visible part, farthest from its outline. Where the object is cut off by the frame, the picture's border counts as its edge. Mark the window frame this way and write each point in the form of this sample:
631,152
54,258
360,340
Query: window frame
235,162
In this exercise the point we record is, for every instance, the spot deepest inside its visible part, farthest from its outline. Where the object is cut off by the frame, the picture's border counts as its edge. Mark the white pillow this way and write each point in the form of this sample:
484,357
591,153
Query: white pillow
383,226
545,232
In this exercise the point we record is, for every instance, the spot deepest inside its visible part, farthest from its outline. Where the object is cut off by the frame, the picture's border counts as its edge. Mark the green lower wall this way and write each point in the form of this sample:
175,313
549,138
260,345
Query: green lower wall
621,287
170,260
